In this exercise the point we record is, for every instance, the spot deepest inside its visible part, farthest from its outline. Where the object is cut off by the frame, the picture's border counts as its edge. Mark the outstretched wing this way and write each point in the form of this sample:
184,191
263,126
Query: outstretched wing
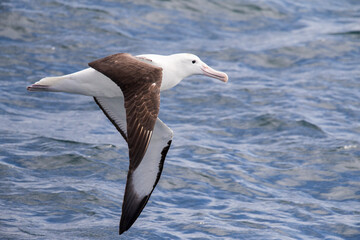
142,180
140,83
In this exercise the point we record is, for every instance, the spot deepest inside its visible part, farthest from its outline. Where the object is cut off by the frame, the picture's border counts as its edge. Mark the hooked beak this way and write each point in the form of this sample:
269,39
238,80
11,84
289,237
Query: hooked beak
208,71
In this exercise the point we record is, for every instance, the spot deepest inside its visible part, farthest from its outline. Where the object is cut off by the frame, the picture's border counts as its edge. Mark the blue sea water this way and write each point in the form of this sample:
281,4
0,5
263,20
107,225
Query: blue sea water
272,154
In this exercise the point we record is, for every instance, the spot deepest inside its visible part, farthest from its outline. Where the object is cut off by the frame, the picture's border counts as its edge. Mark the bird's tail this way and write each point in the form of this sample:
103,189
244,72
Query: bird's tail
45,85
87,82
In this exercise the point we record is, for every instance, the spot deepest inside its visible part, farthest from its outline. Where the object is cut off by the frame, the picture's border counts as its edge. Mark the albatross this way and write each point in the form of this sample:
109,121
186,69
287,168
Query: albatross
127,89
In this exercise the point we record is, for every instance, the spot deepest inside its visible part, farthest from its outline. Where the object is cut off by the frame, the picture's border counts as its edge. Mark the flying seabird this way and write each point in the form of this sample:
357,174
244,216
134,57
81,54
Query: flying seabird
127,89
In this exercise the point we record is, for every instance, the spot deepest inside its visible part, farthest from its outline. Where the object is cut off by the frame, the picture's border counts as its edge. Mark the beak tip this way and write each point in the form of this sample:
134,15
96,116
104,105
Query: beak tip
208,71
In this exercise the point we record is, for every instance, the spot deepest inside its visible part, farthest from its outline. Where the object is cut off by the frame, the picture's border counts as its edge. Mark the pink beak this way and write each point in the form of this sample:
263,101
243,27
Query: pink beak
208,71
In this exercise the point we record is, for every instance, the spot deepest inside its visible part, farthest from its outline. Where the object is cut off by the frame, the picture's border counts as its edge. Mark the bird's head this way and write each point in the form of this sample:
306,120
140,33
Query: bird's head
191,64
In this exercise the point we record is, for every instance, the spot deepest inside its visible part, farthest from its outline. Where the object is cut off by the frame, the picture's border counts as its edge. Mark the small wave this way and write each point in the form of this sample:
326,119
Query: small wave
356,33
270,122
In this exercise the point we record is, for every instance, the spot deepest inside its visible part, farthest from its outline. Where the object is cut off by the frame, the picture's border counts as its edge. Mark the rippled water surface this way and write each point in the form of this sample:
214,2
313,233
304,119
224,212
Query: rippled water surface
273,154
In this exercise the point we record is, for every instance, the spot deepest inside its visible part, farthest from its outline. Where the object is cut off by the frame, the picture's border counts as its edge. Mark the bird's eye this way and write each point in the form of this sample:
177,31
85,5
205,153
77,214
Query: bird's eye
193,61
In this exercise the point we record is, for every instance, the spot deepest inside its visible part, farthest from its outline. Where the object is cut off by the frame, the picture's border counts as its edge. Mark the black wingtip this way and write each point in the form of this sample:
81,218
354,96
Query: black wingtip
133,205
131,211
124,226
122,230
125,223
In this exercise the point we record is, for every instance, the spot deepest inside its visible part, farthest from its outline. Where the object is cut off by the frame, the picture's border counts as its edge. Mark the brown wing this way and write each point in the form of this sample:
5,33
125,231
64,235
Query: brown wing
140,83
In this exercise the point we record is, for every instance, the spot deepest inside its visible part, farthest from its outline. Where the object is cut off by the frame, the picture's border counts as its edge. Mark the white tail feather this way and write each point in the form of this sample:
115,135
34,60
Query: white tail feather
86,82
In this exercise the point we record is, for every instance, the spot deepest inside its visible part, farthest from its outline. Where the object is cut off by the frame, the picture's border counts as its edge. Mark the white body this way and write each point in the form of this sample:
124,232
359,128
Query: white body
93,83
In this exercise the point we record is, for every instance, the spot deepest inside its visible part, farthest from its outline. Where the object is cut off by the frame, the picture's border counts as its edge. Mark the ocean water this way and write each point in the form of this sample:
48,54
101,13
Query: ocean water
272,154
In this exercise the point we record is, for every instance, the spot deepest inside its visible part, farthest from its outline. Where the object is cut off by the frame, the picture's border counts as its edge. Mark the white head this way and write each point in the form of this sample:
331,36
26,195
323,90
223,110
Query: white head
190,64
178,66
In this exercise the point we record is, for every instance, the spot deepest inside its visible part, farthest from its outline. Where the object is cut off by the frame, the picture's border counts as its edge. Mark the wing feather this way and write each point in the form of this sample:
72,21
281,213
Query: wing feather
140,83
113,108
142,181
